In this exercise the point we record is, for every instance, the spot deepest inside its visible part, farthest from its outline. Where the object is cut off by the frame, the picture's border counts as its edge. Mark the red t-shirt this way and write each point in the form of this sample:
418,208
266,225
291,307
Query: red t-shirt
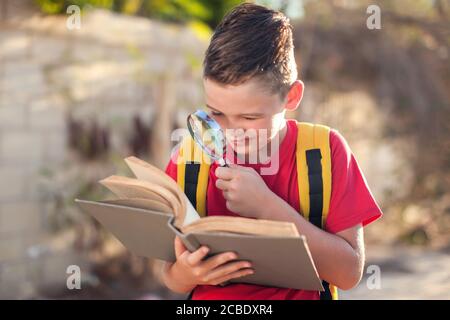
351,203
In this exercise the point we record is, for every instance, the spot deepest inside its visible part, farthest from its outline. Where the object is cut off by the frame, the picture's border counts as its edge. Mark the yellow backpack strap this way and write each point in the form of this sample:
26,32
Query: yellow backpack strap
313,157
314,171
193,173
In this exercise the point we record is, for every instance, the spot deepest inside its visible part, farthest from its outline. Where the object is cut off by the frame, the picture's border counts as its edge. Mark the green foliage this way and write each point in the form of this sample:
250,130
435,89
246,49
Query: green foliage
218,9
209,12
60,6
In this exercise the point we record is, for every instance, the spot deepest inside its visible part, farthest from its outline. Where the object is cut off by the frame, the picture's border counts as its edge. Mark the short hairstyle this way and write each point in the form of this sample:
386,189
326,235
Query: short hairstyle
252,41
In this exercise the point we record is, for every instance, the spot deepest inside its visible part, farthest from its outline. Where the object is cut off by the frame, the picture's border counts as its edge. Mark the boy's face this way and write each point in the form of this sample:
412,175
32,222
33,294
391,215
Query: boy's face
250,116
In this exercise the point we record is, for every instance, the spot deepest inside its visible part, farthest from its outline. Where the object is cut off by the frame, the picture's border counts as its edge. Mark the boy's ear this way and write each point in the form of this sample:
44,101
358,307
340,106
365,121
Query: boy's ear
294,95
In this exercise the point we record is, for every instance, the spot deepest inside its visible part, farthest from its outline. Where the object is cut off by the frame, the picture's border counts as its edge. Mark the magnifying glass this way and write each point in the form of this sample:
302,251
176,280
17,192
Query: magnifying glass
208,134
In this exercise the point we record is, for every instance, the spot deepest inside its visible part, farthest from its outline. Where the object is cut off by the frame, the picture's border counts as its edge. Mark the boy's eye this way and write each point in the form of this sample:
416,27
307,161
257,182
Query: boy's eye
215,113
251,117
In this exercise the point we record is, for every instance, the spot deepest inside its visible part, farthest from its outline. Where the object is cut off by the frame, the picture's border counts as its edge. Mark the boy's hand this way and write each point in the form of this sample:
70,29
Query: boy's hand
244,190
191,270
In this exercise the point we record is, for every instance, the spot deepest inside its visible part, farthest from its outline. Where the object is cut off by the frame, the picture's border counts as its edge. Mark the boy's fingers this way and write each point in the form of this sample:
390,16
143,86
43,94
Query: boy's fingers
222,184
224,173
227,269
195,257
232,165
233,275
226,196
166,266
238,167
179,247
219,259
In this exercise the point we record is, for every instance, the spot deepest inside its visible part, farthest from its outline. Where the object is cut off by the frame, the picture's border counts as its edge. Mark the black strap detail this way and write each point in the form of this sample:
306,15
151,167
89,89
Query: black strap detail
326,295
191,172
190,181
313,158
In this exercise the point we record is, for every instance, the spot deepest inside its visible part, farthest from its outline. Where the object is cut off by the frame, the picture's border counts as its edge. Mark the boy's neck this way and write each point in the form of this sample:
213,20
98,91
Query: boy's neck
282,132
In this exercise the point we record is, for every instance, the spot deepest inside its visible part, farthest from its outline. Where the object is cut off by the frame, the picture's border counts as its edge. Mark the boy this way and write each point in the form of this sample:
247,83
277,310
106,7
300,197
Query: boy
250,80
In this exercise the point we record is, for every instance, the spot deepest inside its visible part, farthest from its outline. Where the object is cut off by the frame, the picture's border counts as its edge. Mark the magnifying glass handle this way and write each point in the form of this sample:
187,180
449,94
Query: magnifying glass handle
222,162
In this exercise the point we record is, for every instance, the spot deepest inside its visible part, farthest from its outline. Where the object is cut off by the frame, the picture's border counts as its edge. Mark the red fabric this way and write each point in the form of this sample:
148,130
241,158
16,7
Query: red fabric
351,203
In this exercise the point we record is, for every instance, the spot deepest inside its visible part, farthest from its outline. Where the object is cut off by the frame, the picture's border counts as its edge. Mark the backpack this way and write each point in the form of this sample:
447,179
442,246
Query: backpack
313,158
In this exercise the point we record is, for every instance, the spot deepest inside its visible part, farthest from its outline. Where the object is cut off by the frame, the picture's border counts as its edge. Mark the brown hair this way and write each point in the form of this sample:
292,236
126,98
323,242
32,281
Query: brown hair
252,41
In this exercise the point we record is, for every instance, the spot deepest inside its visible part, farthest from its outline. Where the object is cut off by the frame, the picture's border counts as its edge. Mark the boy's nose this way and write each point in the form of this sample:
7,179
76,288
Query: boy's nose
235,133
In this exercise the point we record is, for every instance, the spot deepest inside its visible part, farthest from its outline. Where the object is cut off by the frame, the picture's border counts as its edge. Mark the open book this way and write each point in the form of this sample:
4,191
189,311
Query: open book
150,210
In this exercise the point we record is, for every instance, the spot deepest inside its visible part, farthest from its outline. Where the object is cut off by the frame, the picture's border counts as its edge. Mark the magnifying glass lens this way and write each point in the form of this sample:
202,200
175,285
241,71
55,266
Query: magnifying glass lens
207,133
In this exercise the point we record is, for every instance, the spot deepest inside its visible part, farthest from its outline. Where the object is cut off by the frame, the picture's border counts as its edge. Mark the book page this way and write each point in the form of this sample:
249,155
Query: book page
191,214
242,225
146,172
124,187
141,203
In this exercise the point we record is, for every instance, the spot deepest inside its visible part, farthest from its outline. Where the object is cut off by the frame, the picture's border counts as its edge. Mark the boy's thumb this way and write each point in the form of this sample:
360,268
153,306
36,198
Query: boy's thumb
231,164
179,247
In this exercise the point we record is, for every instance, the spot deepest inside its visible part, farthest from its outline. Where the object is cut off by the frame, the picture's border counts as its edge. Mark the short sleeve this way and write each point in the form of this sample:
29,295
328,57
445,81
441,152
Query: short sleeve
351,201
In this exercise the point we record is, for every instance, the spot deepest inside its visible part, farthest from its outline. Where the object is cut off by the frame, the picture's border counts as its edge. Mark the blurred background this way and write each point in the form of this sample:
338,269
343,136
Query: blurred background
75,101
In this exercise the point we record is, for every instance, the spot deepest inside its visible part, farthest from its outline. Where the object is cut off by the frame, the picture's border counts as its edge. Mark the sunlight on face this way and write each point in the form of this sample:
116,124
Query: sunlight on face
250,116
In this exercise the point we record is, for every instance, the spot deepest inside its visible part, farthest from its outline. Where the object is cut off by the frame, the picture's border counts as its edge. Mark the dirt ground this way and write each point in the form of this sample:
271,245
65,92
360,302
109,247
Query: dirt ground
406,273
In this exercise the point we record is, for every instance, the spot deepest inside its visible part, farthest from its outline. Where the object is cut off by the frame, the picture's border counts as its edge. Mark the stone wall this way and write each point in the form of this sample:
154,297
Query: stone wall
109,70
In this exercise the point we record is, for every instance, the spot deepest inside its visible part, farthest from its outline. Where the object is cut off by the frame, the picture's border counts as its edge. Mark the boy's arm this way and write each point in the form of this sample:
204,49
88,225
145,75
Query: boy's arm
339,258
338,252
